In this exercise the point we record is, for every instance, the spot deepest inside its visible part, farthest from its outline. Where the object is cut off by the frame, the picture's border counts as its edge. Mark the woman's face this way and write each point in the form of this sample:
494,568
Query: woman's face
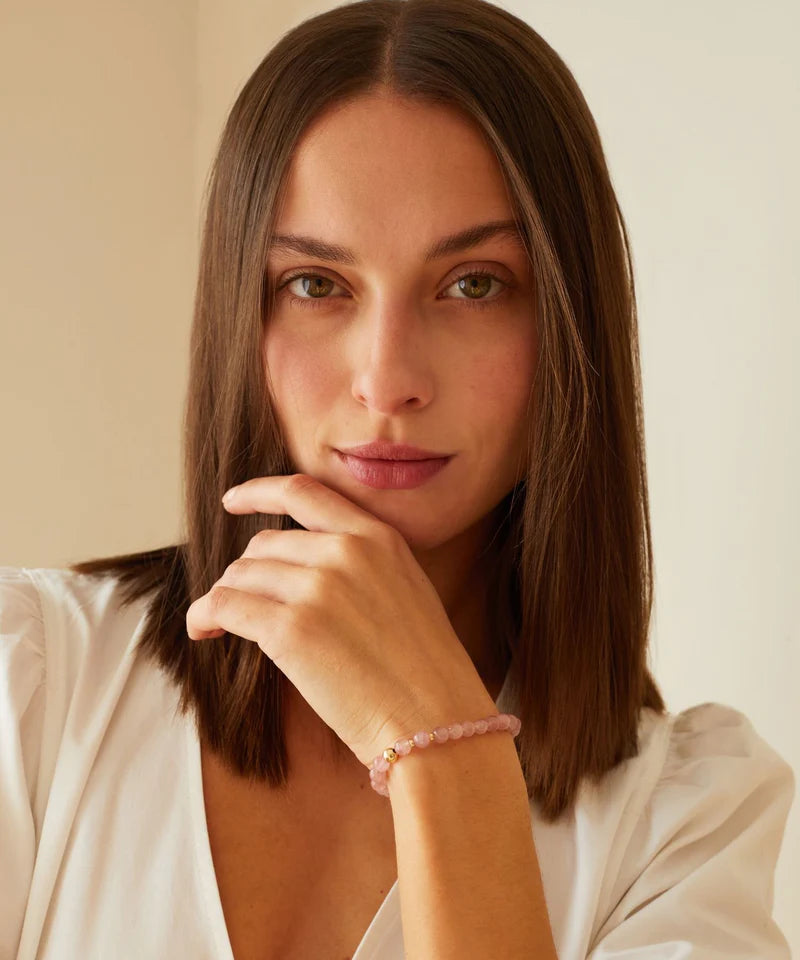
387,344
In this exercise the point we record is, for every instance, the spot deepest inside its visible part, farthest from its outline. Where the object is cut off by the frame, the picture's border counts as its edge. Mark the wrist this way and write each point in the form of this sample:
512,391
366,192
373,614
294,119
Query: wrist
442,740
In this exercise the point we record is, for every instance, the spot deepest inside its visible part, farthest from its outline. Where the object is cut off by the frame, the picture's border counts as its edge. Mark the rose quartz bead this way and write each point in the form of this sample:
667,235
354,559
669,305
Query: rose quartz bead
380,765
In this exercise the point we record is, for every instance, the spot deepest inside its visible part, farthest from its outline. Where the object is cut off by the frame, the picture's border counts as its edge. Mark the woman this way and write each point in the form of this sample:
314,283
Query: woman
411,238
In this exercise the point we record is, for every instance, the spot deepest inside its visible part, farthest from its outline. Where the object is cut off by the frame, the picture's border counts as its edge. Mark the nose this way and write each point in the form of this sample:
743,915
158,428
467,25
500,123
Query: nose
393,366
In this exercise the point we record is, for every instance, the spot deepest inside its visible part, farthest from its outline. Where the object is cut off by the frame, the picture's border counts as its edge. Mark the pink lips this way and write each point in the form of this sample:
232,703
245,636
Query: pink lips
392,474
385,450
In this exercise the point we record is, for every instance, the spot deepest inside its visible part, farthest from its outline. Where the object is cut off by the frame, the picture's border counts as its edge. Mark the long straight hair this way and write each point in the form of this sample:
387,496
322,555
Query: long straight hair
570,597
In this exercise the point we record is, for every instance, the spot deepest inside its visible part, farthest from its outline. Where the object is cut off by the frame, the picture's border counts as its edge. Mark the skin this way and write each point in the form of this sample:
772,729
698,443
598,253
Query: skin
396,350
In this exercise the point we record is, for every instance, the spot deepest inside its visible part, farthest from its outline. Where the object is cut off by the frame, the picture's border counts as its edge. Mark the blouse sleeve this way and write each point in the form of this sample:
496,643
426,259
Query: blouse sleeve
22,690
699,873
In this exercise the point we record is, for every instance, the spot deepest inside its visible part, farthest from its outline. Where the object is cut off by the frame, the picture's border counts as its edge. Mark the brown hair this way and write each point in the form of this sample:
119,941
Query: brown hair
571,598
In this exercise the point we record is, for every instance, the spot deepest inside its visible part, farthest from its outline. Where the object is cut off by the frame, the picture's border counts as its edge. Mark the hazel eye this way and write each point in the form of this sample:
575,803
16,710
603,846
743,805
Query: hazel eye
320,284
477,282
314,284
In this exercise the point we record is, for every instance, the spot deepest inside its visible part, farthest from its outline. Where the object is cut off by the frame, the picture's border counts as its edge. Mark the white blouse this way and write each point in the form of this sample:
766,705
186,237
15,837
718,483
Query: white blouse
104,851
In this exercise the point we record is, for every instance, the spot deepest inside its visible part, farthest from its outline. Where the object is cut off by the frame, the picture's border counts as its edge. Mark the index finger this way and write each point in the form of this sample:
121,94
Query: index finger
312,504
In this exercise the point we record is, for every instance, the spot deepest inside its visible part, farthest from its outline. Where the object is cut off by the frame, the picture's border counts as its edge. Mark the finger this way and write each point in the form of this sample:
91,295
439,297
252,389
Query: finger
249,615
206,634
313,505
277,579
302,547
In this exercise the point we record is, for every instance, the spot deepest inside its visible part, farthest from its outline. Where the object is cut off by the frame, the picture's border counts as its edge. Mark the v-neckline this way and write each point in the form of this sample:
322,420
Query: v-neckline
387,919
383,924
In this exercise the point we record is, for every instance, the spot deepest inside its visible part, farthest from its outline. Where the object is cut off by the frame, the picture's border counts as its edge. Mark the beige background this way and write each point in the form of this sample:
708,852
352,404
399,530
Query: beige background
110,117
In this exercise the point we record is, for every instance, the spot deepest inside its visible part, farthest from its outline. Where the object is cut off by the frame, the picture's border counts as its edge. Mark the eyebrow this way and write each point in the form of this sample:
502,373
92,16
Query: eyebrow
454,243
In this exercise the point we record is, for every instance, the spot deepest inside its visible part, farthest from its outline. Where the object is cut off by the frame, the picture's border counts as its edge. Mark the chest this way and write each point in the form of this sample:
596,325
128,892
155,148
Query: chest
299,875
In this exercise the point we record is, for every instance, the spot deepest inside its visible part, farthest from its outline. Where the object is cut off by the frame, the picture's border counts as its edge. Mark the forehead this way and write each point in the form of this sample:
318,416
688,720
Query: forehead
388,175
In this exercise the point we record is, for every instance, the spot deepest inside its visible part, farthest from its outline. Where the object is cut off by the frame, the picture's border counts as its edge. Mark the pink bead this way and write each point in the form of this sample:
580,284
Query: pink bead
379,769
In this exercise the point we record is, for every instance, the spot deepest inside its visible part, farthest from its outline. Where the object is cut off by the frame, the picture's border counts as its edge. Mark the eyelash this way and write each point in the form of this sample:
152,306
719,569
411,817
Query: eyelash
319,301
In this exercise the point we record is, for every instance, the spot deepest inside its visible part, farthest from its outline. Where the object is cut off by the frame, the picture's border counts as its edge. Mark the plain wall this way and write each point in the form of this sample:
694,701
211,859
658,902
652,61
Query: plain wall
111,114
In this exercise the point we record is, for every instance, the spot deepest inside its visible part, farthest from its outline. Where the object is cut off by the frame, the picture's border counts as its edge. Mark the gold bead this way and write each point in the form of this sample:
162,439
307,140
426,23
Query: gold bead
390,754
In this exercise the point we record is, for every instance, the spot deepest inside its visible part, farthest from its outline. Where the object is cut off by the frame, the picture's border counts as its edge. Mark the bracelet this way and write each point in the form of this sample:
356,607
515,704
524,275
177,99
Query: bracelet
379,769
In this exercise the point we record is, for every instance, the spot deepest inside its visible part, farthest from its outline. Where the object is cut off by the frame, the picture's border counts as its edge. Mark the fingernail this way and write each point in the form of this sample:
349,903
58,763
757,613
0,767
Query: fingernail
229,494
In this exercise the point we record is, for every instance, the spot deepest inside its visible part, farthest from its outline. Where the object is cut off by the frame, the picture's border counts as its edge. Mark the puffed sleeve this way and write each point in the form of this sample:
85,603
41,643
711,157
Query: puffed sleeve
699,874
22,701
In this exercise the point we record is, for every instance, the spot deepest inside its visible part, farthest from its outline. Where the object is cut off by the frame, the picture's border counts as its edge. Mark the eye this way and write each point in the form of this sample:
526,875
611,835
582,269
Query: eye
483,277
316,288
467,284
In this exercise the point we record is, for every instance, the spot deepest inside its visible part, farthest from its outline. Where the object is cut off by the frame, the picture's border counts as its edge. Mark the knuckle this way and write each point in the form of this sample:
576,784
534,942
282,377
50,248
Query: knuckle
317,585
260,539
344,545
321,589
299,621
240,566
218,598
388,536
299,482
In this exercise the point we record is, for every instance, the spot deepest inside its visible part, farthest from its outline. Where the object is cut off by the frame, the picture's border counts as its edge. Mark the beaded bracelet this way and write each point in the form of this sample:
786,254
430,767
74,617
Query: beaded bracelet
379,769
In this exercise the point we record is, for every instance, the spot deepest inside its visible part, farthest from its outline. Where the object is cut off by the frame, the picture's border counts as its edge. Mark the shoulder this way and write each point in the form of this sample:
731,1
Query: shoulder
710,767
703,845
22,641
718,738
707,747
67,647
722,786
19,602
70,605
74,626
86,600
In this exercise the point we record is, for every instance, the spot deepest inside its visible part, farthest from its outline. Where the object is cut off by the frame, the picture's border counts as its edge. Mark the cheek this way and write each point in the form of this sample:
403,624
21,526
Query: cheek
502,387
300,380
502,383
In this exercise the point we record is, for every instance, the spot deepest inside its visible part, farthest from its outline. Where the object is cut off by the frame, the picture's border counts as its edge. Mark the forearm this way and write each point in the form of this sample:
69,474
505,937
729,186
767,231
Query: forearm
468,873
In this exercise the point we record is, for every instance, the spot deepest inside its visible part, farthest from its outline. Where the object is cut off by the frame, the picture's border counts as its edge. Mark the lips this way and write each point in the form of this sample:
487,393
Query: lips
393,474
383,450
